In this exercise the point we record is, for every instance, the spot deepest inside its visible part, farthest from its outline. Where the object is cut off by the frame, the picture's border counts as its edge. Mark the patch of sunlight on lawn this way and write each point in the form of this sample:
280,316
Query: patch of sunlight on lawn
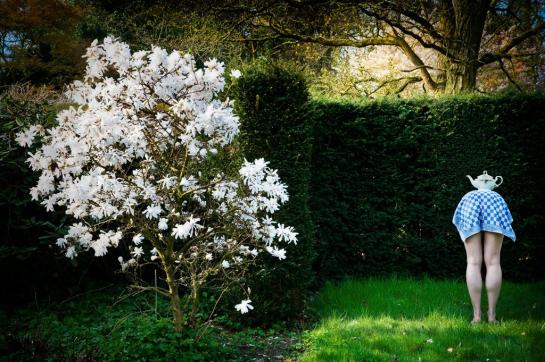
350,330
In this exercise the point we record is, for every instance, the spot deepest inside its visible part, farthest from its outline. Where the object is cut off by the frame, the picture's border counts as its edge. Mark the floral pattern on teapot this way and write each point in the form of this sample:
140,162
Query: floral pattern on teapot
485,181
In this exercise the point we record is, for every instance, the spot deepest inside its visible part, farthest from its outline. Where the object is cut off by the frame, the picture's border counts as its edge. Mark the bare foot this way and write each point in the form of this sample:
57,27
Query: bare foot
492,317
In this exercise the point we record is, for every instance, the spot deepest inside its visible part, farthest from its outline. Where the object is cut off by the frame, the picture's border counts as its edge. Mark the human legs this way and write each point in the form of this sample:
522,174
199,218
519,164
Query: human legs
492,249
474,251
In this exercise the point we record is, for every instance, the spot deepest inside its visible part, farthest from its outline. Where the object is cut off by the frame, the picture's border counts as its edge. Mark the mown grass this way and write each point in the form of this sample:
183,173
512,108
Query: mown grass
424,320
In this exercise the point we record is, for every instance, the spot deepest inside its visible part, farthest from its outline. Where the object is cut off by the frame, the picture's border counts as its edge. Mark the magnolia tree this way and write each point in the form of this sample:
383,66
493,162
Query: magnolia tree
130,161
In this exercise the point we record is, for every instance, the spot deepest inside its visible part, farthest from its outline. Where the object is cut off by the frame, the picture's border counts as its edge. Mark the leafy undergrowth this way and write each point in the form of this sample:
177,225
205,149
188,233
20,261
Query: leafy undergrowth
355,320
104,326
424,320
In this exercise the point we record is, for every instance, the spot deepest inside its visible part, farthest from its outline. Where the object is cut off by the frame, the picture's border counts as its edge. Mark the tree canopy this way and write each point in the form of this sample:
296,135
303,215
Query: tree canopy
39,42
447,43
357,48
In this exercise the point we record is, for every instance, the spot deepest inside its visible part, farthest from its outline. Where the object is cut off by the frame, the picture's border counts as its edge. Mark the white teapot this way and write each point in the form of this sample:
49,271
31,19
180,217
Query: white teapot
485,181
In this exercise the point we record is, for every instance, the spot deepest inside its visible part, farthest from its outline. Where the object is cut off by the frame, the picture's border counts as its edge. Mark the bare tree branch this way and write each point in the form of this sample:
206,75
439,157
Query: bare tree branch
449,27
511,80
408,80
415,59
504,51
330,41
414,17
405,30
263,38
359,43
406,83
416,68
519,39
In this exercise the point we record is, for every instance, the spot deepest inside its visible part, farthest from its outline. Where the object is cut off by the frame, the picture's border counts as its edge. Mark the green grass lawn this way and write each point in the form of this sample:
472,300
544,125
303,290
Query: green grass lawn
356,320
424,320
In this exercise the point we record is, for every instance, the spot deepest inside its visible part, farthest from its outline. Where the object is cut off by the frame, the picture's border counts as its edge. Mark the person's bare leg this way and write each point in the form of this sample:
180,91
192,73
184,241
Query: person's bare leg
474,251
492,249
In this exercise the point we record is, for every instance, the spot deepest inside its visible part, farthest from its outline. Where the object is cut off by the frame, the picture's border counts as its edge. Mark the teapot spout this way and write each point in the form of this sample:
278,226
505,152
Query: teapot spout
473,182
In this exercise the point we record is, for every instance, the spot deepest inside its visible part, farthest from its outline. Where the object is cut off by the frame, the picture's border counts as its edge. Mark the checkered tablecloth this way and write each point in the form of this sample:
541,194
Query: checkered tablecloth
483,210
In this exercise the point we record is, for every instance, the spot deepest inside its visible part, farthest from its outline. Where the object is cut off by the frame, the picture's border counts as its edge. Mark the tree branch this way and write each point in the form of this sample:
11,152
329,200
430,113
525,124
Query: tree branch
503,52
405,30
407,82
416,68
263,38
519,39
159,290
415,59
358,43
414,17
511,80
330,41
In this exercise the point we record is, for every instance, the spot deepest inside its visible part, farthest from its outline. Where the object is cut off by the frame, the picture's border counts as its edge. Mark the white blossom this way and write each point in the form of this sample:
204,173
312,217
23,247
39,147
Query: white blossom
235,73
286,233
137,239
71,252
278,253
186,230
152,211
61,242
244,306
163,225
153,254
137,252
167,181
26,137
105,240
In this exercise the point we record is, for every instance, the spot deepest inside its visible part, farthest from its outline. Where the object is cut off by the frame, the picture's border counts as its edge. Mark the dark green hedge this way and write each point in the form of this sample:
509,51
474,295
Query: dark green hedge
272,101
387,176
31,266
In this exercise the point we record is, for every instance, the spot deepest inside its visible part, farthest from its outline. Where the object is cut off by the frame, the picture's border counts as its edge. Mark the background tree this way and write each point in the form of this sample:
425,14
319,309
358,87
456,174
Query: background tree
39,42
187,25
200,27
453,30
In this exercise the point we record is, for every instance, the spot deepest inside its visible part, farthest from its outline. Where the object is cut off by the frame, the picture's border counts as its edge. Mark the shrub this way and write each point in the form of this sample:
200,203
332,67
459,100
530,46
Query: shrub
130,164
271,100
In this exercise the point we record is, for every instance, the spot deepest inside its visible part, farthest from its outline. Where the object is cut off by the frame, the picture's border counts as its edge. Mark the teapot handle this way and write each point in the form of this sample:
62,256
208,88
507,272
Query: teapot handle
496,182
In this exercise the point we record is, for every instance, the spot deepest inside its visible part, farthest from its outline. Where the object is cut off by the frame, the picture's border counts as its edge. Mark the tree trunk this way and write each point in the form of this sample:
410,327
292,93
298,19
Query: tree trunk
174,297
460,77
463,26
194,299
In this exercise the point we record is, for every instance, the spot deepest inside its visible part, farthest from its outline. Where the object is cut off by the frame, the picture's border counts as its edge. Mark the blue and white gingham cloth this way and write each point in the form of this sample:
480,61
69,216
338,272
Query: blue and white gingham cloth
483,210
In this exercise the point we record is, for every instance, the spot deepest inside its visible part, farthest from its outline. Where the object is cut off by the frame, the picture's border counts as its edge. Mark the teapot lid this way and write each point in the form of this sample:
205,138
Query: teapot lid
485,177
